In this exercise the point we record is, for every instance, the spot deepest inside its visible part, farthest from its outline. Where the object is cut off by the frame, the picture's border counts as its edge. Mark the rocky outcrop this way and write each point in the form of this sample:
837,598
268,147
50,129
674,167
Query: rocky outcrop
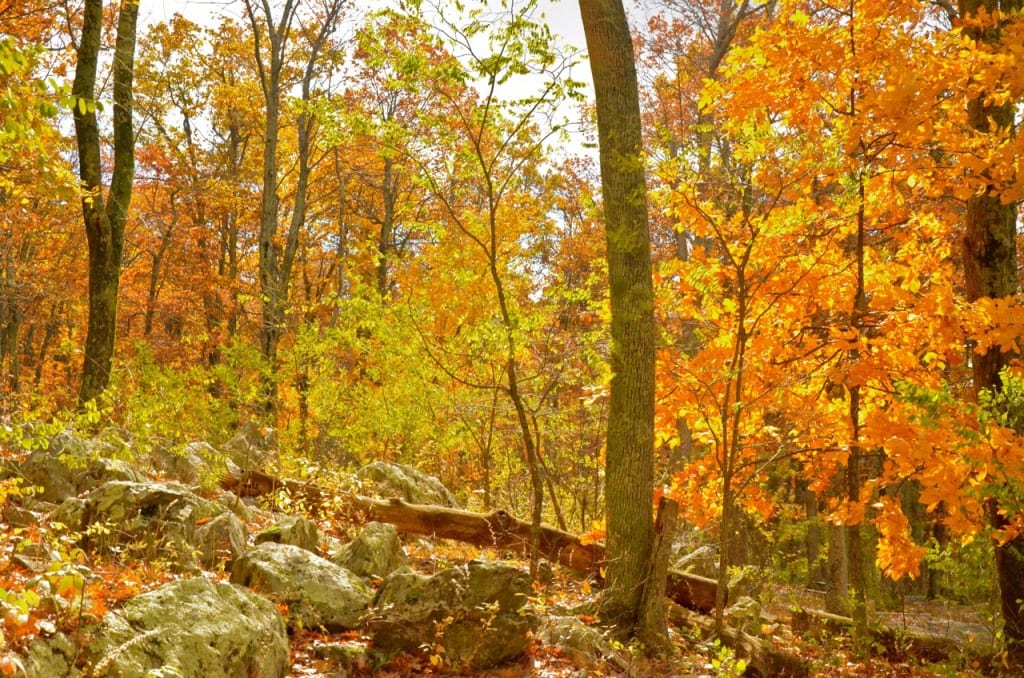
47,657
375,552
157,519
72,465
293,530
471,614
252,448
408,484
582,644
195,627
220,540
317,592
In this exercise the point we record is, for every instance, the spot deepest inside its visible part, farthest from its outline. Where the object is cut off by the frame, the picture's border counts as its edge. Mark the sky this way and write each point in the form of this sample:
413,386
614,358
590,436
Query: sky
563,15
563,18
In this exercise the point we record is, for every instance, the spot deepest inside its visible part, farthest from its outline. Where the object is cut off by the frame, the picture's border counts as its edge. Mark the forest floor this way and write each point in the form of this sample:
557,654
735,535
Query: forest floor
827,656
114,580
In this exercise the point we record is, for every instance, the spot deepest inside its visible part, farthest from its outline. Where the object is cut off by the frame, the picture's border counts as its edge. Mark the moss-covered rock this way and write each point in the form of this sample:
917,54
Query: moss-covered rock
375,552
318,592
72,465
293,530
407,484
473,611
196,627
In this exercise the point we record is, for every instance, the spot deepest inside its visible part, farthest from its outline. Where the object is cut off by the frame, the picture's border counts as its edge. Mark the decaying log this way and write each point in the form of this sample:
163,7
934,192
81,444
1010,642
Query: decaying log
497,529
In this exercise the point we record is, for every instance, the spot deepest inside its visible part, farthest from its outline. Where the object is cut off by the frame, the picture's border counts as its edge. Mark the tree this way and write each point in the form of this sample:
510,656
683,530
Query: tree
629,465
990,270
271,43
104,216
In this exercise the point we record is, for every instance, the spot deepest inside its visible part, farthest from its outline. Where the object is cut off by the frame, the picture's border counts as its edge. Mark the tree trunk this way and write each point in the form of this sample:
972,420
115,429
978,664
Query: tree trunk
104,220
990,270
629,456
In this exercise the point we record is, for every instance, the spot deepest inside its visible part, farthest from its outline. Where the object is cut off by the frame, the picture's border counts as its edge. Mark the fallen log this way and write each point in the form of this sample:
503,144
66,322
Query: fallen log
497,529
897,643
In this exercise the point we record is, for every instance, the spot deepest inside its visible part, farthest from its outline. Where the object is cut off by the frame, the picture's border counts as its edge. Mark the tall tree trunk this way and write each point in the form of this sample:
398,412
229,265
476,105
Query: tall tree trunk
990,270
629,456
275,261
104,219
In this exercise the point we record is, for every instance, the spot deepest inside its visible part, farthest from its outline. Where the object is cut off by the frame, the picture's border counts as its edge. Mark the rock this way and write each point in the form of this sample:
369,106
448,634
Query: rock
583,644
232,502
702,561
19,516
72,465
48,657
159,518
196,627
294,530
253,447
407,484
745,614
318,592
192,463
375,552
348,657
221,540
473,611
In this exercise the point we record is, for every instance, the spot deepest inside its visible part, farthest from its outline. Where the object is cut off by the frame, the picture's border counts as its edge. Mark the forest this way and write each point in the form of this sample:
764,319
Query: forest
705,332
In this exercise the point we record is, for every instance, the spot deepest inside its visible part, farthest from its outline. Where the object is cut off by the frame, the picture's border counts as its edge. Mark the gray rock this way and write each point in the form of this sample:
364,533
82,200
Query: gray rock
345,656
158,518
236,505
745,614
318,592
196,627
49,657
407,484
583,644
474,611
196,462
252,448
702,561
72,465
375,552
293,530
221,540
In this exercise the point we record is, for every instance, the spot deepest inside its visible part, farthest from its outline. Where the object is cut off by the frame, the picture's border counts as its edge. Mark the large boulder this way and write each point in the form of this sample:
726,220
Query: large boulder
221,540
158,519
317,592
195,462
407,484
72,465
195,627
47,657
293,530
375,552
583,644
473,613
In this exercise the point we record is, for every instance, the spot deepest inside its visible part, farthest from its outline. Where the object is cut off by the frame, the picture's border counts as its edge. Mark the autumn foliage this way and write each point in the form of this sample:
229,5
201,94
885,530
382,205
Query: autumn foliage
810,166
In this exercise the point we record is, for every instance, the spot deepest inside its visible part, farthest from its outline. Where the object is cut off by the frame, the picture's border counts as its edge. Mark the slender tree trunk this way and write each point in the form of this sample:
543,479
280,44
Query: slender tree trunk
990,270
629,457
104,219
854,538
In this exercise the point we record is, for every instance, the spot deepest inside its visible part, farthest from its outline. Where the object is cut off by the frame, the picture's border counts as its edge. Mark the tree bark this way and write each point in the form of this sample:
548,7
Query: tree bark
104,219
990,270
629,456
